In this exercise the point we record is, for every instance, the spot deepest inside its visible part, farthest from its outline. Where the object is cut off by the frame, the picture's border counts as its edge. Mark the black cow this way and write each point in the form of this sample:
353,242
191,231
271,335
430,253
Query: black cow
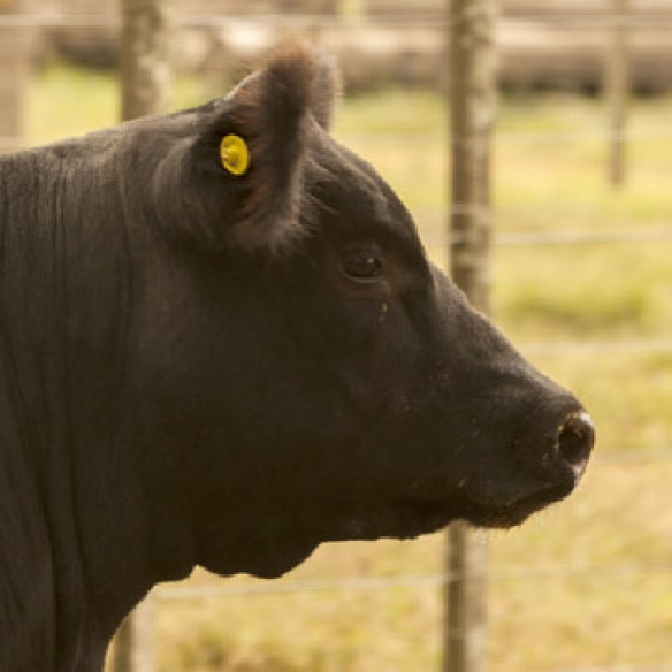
215,359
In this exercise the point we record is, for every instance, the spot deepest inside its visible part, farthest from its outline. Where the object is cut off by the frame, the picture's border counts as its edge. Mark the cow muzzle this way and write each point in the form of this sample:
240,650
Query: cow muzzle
554,443
552,452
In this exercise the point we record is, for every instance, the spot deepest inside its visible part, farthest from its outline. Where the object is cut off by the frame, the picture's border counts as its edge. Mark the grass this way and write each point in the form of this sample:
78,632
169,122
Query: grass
620,517
65,102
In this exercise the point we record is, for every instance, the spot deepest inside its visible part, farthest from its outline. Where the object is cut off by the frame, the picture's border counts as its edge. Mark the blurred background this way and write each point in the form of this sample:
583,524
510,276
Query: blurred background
581,280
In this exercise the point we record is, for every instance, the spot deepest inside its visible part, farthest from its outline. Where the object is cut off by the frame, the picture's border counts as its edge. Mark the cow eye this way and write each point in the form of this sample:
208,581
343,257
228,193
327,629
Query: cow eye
362,265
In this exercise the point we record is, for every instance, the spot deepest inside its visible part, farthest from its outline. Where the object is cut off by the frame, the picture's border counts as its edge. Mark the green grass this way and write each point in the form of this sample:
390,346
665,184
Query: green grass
597,291
619,517
65,102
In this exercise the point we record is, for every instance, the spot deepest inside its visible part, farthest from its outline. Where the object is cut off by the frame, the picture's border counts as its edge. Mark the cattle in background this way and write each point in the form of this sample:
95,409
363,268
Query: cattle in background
222,344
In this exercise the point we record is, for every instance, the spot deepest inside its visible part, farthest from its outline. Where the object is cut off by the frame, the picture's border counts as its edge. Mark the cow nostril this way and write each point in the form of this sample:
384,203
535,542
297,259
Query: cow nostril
576,438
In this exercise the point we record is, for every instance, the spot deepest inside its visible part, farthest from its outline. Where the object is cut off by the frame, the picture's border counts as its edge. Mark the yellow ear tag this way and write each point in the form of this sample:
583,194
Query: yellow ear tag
234,154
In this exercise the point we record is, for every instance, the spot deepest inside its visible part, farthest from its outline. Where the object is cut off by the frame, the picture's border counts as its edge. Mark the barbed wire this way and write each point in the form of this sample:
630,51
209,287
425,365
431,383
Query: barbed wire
367,583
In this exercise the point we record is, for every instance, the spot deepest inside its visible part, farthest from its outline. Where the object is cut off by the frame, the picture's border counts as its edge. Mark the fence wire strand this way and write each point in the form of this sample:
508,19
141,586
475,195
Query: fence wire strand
594,573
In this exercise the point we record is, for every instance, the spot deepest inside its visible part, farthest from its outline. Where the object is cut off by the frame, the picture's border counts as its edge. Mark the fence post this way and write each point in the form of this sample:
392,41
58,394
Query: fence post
145,46
14,64
617,88
470,30
145,78
122,647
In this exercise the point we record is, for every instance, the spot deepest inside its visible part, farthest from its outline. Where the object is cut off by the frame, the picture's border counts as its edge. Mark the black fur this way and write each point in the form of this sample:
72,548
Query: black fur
191,372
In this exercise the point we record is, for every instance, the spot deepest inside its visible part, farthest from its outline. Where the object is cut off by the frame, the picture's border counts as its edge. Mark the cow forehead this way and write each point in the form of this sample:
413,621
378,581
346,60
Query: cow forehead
353,186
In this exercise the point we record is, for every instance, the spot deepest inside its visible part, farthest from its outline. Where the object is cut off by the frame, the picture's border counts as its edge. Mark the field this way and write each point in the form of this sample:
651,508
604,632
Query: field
586,584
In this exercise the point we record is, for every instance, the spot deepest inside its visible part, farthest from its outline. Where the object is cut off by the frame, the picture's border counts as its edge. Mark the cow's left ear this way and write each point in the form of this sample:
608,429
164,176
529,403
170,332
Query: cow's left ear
327,87
247,166
272,113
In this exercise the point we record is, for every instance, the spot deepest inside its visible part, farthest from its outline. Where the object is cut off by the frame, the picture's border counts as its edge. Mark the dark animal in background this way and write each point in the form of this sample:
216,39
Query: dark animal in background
208,358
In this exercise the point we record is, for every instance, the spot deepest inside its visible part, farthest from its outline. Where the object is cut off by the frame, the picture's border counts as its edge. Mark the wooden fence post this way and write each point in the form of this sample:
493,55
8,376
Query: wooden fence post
470,31
14,66
145,49
133,646
122,647
145,78
617,89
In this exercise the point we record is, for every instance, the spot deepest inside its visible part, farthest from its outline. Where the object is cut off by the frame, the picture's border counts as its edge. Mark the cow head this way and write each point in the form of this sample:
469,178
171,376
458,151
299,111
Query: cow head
302,373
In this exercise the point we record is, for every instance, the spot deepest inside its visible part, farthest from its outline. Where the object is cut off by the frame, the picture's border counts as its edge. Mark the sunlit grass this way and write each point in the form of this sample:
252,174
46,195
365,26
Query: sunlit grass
599,291
65,102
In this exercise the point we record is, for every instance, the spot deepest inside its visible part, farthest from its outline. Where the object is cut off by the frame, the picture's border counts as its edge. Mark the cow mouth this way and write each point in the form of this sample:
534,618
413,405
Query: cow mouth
515,512
428,516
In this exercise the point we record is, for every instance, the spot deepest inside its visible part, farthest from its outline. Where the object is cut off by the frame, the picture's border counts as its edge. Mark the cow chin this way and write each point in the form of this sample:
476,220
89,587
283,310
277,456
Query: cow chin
274,566
414,517
270,556
483,512
267,558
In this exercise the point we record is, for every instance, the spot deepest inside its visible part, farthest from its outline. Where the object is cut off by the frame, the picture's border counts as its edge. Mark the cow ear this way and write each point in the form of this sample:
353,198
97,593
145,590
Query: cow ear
240,181
270,119
327,88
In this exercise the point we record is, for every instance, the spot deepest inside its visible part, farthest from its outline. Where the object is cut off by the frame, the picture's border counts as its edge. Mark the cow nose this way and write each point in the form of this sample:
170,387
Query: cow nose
576,438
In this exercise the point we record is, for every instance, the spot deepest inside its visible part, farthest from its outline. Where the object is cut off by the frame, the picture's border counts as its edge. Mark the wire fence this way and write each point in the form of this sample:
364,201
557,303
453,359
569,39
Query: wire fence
358,583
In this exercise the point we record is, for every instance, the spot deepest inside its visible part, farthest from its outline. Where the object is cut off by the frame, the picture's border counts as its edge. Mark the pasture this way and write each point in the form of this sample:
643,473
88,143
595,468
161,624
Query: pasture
586,584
